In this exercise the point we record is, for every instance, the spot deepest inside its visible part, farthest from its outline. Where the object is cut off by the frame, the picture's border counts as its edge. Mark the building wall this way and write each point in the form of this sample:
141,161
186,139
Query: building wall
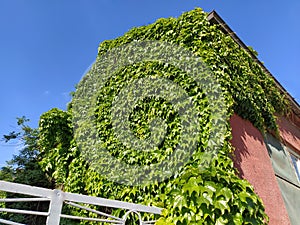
253,163
289,133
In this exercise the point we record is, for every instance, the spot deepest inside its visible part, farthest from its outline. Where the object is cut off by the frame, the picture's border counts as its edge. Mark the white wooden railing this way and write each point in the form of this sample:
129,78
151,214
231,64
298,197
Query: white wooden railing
57,198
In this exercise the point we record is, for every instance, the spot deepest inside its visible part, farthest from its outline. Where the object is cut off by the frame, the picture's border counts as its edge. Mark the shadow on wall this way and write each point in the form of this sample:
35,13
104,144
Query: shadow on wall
245,139
290,134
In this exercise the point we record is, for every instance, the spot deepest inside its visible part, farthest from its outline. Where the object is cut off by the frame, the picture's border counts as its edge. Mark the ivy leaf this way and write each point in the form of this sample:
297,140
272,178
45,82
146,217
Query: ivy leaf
222,205
226,192
180,202
191,186
221,221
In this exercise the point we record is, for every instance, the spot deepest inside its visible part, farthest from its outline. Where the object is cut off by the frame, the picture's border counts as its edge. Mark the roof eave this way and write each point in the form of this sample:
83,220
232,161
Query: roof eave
213,17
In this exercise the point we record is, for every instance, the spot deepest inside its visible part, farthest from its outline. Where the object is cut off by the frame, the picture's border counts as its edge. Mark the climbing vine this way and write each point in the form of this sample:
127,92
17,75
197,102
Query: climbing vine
193,195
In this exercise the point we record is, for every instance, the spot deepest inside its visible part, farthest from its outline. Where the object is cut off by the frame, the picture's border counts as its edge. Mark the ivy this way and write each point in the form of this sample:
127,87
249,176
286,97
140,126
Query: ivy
194,195
55,139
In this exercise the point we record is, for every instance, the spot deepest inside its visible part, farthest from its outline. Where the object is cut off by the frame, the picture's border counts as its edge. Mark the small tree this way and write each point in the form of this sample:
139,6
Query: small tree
24,168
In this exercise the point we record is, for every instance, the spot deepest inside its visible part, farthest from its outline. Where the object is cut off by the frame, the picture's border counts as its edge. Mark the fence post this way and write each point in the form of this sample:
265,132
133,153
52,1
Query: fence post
56,203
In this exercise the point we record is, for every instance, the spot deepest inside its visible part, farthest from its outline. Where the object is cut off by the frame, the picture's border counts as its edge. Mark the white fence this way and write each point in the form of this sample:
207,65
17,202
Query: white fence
57,198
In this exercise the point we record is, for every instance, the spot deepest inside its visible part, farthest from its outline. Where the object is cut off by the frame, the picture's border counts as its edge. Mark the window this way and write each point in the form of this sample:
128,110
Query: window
296,163
284,160
286,165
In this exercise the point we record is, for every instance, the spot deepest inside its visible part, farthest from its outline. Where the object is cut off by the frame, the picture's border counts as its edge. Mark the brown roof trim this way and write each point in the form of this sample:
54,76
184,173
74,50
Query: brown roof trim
213,17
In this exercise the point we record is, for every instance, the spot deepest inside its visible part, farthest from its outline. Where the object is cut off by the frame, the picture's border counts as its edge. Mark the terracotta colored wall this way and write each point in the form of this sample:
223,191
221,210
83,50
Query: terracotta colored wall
290,134
254,164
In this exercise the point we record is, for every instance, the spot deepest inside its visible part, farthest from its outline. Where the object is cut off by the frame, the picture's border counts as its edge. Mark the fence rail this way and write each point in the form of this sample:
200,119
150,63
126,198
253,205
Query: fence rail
57,198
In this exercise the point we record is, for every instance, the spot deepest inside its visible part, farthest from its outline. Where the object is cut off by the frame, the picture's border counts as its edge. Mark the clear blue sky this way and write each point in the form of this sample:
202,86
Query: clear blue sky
46,46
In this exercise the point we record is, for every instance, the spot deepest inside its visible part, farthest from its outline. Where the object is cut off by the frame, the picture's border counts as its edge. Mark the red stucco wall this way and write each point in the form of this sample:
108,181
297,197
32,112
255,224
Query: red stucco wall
253,162
289,133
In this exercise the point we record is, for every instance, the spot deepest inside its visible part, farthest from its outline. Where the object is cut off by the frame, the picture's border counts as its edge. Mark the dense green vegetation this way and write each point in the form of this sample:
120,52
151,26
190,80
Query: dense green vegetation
25,168
194,194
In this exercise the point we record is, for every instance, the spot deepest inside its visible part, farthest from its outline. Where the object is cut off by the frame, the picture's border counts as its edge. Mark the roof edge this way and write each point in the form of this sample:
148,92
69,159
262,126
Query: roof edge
215,18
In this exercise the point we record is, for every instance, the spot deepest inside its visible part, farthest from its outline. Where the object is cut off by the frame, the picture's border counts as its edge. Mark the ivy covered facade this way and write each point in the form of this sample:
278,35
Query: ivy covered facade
239,186
270,161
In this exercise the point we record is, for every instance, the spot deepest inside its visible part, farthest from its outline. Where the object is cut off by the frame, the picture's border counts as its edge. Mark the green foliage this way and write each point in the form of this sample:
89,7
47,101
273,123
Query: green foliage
55,139
24,168
254,94
214,196
146,111
194,195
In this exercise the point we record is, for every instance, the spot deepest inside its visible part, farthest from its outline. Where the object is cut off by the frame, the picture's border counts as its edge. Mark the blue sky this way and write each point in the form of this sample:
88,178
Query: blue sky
46,46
